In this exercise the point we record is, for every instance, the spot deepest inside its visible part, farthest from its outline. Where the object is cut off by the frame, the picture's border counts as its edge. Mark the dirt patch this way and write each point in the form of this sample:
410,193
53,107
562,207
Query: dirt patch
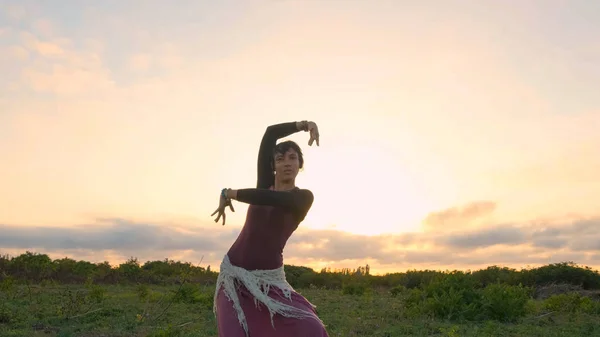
542,293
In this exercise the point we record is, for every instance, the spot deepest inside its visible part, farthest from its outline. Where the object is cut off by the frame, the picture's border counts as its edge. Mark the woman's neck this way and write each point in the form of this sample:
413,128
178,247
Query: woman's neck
284,185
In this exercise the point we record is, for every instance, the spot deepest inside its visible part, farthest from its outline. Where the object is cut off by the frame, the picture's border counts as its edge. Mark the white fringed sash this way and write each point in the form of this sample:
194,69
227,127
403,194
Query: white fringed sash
258,283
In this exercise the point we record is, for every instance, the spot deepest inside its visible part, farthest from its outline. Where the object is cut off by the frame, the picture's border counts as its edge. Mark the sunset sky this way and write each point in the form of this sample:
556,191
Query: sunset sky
454,134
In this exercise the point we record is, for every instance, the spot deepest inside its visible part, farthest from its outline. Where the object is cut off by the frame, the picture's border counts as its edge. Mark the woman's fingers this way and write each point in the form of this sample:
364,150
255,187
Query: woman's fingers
314,136
221,211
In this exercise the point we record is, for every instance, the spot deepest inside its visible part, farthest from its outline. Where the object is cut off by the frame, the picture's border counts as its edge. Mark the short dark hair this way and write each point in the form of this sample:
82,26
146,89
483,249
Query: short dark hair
284,147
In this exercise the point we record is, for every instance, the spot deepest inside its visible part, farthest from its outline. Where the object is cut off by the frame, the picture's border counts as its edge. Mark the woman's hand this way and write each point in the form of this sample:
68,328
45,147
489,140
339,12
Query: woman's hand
314,133
223,203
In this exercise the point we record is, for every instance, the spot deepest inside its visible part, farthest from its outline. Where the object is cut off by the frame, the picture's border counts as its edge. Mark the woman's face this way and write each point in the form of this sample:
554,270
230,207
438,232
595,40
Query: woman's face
287,165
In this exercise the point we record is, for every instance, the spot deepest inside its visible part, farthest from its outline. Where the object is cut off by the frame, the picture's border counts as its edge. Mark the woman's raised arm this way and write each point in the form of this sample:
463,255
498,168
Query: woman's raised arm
265,175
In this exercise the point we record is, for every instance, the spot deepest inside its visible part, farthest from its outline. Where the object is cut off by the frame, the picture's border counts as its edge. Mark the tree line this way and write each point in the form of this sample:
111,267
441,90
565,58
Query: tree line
31,267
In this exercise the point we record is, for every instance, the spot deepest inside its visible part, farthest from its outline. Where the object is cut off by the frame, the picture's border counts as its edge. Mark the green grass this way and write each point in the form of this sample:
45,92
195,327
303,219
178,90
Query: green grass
147,310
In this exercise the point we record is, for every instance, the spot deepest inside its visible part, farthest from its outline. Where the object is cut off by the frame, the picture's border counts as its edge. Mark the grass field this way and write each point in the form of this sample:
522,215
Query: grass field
147,310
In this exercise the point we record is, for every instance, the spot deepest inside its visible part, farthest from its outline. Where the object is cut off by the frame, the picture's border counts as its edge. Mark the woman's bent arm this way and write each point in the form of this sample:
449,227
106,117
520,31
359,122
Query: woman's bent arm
265,176
298,201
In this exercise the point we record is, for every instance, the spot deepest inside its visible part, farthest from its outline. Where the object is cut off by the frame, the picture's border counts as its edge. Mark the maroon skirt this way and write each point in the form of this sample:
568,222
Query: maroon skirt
258,317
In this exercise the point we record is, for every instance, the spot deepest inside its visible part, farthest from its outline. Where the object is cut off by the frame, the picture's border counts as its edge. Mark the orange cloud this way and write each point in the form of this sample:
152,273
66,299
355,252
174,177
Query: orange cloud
459,216
514,246
48,49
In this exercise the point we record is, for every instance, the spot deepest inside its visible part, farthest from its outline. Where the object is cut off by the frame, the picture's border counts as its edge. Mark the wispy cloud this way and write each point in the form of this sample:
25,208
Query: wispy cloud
506,245
505,235
117,234
459,216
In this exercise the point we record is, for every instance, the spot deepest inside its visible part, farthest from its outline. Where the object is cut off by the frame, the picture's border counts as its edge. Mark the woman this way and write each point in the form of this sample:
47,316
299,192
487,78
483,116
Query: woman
252,297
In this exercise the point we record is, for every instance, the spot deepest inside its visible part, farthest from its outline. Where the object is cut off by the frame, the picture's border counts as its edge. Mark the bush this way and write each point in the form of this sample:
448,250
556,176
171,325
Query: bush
457,296
504,302
564,273
355,288
451,296
39,268
5,315
418,279
495,274
397,290
414,300
96,293
187,293
143,291
571,303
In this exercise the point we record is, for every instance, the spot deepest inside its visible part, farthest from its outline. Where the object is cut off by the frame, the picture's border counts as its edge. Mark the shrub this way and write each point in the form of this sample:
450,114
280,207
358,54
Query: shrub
187,293
97,293
504,302
397,290
413,302
565,273
5,315
419,279
457,297
143,291
451,296
571,303
495,274
354,288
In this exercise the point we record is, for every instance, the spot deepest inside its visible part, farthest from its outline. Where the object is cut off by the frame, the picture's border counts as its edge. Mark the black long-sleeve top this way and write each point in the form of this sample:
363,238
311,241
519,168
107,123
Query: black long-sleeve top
297,200
273,215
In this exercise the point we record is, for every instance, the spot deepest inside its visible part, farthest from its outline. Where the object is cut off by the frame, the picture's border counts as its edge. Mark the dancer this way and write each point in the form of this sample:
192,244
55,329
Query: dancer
252,297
